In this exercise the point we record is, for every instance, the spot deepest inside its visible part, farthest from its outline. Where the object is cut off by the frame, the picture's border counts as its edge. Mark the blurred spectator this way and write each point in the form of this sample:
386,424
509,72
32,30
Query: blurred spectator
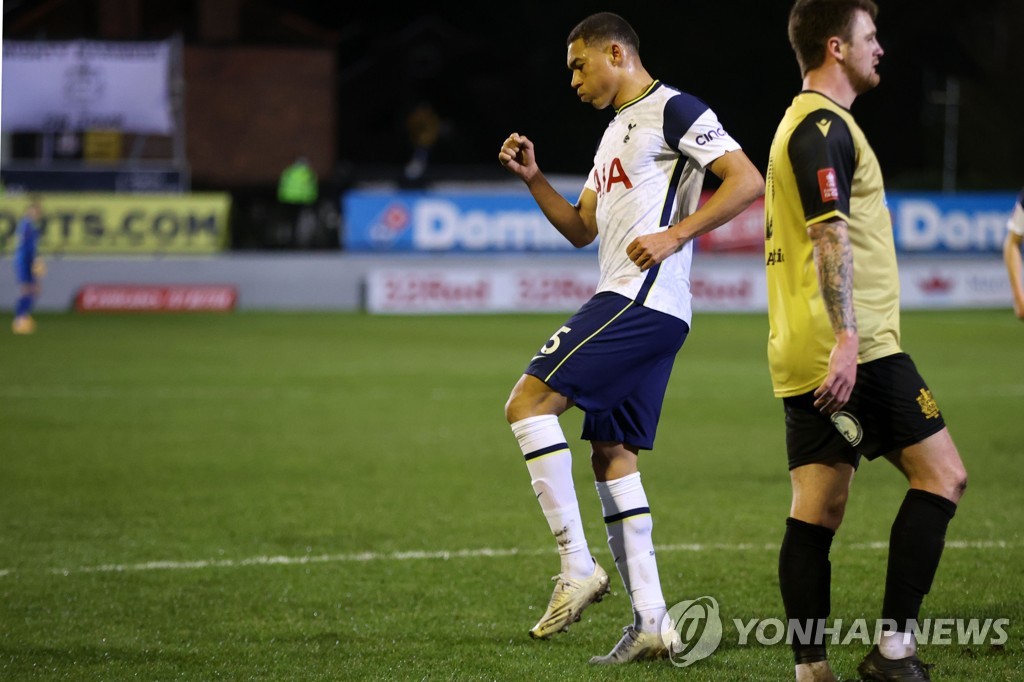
298,184
297,191
424,127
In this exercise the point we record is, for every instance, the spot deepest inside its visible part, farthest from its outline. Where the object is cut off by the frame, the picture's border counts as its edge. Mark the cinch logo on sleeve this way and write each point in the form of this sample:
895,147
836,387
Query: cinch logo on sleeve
706,138
827,184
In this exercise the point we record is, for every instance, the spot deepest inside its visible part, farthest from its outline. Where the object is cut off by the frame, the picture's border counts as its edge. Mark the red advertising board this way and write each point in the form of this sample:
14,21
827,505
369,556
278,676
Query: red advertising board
155,299
742,234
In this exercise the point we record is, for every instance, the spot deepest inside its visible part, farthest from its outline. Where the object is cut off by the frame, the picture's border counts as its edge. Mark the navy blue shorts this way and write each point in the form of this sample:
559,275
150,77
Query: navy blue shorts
613,359
891,408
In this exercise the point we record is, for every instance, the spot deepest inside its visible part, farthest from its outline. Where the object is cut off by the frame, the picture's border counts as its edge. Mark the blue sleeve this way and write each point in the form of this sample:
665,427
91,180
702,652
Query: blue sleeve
681,112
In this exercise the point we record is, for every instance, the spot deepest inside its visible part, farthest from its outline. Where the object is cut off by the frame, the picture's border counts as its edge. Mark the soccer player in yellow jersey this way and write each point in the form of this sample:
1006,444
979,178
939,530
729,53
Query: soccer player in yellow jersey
848,389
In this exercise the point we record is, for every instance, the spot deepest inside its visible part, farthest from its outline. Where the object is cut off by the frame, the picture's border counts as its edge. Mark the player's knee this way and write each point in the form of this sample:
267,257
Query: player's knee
512,409
519,407
825,511
961,485
532,398
833,513
612,460
956,483
948,480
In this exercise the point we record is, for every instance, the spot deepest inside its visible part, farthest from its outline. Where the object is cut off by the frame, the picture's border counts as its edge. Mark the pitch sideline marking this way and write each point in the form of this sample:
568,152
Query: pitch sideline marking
484,552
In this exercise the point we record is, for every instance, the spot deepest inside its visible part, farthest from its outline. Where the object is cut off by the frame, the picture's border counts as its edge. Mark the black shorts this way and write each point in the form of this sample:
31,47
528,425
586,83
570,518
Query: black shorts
890,409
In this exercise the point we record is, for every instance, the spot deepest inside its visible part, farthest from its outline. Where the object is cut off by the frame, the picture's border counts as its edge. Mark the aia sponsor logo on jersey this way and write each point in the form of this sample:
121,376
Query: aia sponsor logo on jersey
827,184
606,177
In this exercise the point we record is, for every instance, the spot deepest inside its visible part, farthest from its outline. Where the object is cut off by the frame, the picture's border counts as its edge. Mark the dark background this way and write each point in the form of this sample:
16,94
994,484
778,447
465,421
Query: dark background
491,68
502,70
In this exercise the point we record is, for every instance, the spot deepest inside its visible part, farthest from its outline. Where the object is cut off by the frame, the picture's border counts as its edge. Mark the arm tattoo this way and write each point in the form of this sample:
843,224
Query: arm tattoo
833,255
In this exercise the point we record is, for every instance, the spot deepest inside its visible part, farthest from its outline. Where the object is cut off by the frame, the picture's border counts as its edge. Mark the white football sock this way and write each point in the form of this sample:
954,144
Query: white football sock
895,645
549,462
629,524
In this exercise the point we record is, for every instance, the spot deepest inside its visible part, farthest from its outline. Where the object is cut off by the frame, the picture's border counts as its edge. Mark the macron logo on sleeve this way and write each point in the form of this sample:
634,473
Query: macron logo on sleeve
827,184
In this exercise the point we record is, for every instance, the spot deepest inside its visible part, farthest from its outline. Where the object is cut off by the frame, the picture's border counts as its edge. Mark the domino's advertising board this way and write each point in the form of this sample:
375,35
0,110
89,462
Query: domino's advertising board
495,222
965,222
467,222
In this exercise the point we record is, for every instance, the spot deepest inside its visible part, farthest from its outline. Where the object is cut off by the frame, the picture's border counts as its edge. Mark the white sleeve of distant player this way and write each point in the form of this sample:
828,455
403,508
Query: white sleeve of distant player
1016,222
706,140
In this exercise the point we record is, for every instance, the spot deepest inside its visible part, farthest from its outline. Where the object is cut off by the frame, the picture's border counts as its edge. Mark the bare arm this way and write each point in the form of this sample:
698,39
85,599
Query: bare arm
576,223
741,184
833,257
1012,256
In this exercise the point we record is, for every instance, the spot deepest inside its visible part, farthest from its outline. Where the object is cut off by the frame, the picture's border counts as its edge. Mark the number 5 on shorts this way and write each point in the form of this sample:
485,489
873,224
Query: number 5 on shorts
552,345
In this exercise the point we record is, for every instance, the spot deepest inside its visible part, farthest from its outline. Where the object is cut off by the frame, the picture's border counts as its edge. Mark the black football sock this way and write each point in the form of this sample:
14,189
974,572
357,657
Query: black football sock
915,547
805,578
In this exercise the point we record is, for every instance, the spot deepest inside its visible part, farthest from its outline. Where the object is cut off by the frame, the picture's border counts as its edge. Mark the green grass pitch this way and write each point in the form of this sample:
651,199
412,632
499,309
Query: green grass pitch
267,496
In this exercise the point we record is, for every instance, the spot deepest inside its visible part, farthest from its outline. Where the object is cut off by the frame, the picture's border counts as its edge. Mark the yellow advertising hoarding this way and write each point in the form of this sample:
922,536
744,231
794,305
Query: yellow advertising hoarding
100,223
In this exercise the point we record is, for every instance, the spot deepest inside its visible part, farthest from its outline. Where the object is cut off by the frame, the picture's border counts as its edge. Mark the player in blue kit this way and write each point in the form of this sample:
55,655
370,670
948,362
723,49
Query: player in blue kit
27,268
612,359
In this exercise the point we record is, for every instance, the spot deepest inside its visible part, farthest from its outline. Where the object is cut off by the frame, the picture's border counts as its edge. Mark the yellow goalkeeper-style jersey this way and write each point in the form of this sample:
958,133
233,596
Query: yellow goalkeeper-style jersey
820,168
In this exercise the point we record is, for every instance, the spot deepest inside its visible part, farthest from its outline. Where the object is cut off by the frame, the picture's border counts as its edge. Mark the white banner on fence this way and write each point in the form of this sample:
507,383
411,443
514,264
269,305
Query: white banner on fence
429,290
86,85
734,286
954,282
729,284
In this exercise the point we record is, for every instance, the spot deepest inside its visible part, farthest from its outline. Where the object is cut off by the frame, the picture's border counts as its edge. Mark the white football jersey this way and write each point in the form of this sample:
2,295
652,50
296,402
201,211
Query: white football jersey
648,174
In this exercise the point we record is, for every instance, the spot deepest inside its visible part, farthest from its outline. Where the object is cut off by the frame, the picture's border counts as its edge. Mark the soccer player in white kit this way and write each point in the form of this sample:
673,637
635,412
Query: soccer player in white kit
613,357
1012,255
